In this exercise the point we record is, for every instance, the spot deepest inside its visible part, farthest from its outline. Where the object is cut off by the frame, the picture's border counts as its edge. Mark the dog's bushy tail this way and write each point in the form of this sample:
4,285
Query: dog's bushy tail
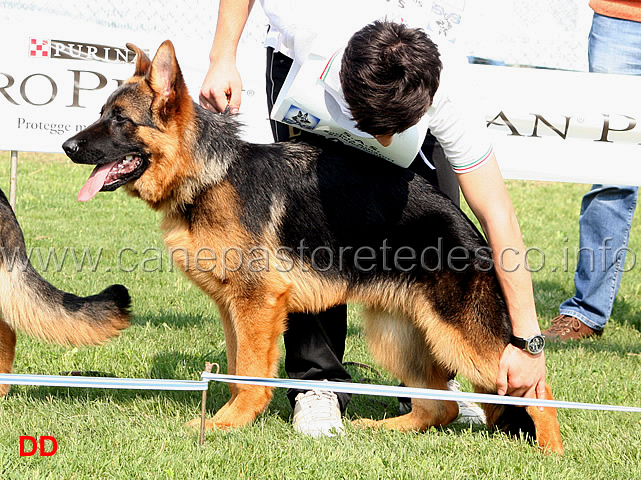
31,304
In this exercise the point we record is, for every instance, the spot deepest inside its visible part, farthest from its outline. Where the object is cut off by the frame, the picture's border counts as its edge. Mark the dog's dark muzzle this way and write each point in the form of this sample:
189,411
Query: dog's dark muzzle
78,151
71,147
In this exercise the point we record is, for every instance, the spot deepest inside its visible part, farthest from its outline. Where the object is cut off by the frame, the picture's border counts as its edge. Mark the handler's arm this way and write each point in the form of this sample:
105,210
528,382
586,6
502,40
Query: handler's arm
222,85
520,373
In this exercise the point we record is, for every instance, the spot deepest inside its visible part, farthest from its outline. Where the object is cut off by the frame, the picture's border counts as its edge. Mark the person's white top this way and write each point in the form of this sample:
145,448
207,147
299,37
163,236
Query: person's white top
298,28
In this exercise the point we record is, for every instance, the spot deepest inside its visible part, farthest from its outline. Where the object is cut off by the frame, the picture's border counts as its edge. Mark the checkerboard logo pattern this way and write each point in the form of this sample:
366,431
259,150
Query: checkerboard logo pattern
39,48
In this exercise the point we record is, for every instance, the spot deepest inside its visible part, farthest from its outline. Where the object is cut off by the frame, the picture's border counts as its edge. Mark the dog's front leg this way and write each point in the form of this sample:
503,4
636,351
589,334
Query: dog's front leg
257,321
231,349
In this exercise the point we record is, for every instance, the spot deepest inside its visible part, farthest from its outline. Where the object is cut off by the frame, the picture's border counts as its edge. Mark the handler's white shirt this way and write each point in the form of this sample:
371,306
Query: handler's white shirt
455,120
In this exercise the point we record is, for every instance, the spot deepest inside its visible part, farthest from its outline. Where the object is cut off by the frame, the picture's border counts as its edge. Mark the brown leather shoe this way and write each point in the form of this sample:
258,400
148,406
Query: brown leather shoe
566,327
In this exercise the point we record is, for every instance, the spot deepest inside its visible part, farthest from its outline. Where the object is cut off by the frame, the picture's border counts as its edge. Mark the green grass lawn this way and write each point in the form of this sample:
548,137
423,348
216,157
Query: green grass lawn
175,329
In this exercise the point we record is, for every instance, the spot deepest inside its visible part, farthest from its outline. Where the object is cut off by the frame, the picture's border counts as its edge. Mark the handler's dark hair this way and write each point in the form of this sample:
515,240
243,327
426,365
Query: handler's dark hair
389,75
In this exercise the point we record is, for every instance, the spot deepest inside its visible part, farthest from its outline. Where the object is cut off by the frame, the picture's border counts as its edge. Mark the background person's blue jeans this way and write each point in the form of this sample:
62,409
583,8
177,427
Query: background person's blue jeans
607,210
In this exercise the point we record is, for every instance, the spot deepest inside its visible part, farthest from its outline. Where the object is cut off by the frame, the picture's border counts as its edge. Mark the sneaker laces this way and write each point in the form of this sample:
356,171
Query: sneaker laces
320,402
317,413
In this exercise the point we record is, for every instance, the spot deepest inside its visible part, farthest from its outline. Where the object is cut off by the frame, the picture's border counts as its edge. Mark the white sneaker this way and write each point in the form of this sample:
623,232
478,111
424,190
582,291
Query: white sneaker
468,412
317,414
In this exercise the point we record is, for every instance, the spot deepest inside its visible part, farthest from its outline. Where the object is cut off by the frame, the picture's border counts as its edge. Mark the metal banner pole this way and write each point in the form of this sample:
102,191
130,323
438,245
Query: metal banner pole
14,179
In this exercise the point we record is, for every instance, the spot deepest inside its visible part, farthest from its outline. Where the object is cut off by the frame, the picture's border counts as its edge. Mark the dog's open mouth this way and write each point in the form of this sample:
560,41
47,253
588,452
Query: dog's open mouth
112,175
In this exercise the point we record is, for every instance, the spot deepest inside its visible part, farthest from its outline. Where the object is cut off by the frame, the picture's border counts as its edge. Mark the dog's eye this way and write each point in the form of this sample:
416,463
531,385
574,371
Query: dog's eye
118,117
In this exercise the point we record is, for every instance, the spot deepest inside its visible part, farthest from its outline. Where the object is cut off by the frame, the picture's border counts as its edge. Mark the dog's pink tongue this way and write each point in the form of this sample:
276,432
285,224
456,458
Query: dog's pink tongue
95,182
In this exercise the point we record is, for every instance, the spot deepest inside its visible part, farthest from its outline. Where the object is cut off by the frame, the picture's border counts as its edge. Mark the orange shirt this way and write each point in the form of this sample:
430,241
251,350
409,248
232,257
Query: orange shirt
625,9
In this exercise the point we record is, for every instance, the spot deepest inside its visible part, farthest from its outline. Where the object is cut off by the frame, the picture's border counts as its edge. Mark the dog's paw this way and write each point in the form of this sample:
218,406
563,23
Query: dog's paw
195,424
4,389
366,423
210,424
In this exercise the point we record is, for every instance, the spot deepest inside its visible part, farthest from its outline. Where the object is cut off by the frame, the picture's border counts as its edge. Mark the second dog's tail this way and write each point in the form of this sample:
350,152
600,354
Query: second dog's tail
31,304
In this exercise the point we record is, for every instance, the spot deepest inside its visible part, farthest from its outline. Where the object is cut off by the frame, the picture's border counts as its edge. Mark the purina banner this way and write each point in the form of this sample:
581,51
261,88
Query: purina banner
53,85
54,80
545,124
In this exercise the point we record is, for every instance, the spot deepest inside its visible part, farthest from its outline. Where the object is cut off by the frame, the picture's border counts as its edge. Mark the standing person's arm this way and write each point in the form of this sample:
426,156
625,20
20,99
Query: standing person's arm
520,373
222,86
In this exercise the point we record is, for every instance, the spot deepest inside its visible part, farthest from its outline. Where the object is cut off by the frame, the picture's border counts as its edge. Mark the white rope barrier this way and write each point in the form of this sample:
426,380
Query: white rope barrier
346,387
425,393
77,381
357,388
103,382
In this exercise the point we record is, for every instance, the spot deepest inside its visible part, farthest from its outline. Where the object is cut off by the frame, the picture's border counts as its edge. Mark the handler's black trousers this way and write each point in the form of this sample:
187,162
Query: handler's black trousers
315,343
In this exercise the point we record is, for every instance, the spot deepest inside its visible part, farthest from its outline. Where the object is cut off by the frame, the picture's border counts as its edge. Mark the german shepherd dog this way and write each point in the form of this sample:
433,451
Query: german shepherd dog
31,304
301,227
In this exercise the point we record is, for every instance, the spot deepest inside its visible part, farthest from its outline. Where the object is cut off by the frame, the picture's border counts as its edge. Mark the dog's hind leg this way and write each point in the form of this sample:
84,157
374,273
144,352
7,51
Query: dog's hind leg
479,363
528,421
401,348
425,413
472,345
7,352
548,431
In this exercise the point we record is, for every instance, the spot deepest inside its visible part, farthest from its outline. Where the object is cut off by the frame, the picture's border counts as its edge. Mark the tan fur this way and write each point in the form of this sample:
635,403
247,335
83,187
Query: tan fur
166,172
23,311
548,431
7,352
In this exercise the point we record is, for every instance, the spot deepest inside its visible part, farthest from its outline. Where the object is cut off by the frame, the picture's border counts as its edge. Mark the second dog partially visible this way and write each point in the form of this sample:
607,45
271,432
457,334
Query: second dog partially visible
31,304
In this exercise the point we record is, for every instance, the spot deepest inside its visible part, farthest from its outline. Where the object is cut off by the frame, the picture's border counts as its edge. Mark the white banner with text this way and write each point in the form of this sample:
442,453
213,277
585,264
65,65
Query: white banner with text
545,124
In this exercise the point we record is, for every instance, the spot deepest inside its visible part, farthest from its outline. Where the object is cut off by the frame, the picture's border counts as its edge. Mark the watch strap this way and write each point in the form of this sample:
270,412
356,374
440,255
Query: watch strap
518,342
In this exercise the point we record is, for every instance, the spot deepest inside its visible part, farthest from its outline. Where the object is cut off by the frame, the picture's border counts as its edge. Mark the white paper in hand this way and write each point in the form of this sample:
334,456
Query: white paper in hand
311,99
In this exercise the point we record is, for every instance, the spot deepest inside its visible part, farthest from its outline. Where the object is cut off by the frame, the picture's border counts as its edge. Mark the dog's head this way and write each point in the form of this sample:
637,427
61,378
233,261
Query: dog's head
135,139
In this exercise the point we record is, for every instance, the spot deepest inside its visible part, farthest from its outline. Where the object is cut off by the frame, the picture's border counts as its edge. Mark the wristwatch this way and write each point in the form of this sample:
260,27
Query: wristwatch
532,345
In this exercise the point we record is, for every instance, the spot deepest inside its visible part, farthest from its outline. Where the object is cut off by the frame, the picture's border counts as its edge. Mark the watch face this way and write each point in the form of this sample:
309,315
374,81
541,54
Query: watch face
535,344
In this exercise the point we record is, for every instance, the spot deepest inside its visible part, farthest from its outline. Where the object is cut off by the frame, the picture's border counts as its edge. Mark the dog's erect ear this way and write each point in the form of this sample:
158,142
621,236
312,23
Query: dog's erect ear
142,61
166,79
